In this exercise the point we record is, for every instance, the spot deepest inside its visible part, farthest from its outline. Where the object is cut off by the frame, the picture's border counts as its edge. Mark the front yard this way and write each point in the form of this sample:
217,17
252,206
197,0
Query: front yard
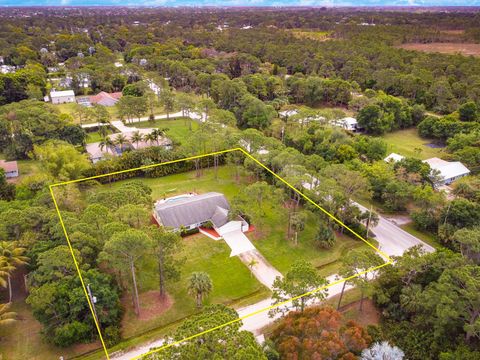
231,280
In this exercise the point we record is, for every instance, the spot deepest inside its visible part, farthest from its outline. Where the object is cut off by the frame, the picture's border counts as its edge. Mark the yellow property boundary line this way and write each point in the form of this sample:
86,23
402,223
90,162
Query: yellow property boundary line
389,260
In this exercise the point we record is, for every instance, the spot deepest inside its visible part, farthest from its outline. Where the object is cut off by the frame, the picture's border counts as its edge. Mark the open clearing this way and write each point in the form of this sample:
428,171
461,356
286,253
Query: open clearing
408,143
445,48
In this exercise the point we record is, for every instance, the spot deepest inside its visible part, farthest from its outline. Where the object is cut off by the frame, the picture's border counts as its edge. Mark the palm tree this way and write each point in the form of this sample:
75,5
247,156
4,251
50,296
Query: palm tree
200,285
251,264
6,317
158,133
136,138
11,256
120,140
150,137
5,269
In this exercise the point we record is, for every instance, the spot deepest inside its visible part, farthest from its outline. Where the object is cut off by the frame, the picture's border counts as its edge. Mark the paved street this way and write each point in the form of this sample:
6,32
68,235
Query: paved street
392,239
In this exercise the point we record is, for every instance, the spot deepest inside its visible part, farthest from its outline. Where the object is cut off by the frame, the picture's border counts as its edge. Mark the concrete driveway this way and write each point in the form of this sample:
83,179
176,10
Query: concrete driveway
262,270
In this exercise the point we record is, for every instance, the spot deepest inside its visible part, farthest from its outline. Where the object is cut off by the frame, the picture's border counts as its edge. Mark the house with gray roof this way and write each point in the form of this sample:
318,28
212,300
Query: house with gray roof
192,211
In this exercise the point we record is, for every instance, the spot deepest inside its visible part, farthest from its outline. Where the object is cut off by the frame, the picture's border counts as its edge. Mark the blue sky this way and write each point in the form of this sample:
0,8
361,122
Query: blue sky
241,2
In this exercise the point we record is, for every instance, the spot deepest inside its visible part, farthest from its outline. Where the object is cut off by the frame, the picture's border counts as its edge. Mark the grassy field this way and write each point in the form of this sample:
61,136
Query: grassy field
230,277
409,143
95,136
270,239
178,128
311,34
23,340
450,48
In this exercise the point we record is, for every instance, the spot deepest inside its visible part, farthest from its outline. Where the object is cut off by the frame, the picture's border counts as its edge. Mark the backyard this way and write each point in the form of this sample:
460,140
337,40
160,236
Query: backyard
408,143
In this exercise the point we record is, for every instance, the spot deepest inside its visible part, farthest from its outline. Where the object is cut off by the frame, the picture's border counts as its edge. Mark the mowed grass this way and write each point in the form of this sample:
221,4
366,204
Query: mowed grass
178,128
232,281
95,136
408,143
23,339
230,277
282,252
270,237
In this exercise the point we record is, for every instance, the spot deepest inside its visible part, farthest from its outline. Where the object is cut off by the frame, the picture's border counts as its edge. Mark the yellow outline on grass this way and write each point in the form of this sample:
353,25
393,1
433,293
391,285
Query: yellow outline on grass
389,260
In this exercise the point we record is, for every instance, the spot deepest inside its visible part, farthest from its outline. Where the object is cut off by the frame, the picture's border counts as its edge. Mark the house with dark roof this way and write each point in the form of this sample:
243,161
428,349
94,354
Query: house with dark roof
192,211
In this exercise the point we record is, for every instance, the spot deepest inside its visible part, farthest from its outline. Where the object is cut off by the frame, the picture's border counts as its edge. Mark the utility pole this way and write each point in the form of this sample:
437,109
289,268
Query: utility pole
93,300
369,219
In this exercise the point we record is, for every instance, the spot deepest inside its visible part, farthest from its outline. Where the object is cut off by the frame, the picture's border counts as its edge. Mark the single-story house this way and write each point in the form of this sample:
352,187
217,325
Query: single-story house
97,152
61,97
348,123
393,157
192,211
10,168
105,99
288,113
448,171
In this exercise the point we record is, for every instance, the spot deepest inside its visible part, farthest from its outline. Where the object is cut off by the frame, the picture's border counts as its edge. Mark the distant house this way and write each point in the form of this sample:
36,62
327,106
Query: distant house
105,99
7,69
448,171
10,168
61,97
96,152
393,157
288,113
347,123
192,211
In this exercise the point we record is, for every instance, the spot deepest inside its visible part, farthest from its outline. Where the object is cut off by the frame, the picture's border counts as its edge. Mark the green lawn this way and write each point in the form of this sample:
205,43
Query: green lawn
95,136
408,143
270,238
282,253
233,283
23,340
230,277
178,128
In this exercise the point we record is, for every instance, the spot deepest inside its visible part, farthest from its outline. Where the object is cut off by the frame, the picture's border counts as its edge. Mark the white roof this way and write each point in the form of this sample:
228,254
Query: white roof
447,169
288,112
394,157
62,93
349,121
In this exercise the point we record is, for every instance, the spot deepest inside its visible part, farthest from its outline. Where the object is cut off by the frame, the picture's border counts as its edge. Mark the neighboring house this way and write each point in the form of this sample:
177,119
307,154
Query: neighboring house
96,152
393,157
287,113
61,97
7,69
105,99
191,212
447,171
10,168
154,87
347,123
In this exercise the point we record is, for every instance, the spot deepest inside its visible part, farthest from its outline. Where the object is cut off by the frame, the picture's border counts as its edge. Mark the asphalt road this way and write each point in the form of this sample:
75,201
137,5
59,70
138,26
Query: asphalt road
392,239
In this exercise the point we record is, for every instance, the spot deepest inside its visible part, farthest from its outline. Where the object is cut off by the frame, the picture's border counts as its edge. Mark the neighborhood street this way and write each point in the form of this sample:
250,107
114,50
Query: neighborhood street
392,239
